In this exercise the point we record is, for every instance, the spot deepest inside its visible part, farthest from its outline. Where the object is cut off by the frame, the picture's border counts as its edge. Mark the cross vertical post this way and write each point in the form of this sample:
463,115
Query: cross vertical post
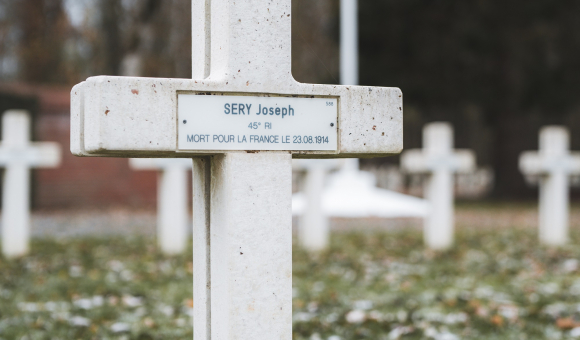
438,141
313,224
251,246
172,215
554,203
16,186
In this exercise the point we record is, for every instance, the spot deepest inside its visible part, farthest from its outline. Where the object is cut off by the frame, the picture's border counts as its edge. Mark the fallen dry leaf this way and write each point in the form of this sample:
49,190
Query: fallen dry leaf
566,323
497,320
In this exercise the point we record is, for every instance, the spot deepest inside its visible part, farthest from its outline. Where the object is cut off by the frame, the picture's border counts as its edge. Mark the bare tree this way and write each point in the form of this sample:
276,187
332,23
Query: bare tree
43,27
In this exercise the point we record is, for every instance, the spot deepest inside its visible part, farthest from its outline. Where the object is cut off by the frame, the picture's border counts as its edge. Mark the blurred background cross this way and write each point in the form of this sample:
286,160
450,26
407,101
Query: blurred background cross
17,155
553,164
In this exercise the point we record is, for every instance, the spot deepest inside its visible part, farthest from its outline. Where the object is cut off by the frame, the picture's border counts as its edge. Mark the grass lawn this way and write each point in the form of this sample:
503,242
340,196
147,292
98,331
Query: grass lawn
96,289
496,284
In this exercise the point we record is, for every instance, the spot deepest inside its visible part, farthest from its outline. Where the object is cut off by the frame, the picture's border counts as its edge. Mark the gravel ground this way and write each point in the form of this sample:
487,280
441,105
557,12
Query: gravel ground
97,223
129,222
467,216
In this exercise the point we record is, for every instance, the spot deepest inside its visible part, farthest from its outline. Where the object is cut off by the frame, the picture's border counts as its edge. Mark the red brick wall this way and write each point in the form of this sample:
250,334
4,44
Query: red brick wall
87,182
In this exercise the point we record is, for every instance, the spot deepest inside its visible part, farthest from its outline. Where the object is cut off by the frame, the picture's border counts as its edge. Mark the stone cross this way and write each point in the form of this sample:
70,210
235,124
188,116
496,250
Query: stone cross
17,156
172,211
439,161
313,226
241,118
553,164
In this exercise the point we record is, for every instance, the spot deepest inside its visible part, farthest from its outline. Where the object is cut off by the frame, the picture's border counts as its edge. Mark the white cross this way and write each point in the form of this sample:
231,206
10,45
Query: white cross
17,156
172,212
440,162
554,163
313,226
242,187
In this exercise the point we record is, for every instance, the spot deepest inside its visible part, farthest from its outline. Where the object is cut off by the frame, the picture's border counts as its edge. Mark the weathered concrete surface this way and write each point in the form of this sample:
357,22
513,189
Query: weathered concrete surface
201,181
251,246
553,164
439,162
17,156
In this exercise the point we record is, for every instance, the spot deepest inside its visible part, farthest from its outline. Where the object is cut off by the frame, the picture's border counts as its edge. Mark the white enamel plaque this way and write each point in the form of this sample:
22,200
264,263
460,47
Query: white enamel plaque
226,122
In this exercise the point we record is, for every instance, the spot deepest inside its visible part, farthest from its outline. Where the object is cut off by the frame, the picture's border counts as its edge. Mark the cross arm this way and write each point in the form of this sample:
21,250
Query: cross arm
137,117
418,161
40,154
414,161
464,161
530,163
533,163
574,163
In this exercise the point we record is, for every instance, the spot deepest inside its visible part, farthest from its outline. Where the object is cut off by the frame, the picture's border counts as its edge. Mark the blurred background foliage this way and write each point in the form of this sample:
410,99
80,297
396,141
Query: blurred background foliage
498,70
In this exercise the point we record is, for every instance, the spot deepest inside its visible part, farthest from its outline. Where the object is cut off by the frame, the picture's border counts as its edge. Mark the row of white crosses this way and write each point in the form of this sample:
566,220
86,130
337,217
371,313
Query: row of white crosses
553,164
242,195
552,167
